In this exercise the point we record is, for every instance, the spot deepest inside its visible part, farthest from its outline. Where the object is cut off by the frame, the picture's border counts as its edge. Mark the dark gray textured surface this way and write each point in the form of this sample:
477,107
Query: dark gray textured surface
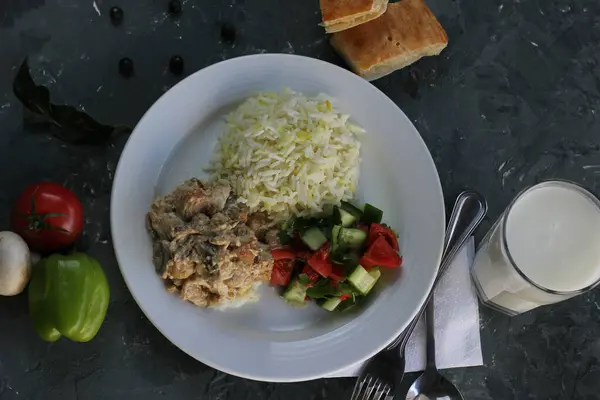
512,100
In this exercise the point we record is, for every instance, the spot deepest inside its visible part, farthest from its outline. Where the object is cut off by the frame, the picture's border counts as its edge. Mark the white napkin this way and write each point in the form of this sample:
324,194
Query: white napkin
456,322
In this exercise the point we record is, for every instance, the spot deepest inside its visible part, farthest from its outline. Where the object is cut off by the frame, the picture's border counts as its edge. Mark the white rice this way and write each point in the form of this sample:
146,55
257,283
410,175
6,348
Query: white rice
289,154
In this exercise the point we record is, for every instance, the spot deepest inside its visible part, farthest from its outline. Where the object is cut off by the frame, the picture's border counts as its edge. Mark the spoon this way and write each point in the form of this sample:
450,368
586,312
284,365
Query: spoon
432,385
468,212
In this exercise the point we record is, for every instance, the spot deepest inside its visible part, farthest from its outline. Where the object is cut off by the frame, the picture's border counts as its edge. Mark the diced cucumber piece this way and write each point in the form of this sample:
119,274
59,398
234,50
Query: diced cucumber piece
352,209
346,305
295,293
371,214
314,238
375,273
343,217
331,304
364,280
350,238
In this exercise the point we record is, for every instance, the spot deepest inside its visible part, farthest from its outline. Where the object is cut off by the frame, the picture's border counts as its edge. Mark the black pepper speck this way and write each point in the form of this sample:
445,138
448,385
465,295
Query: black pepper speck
176,65
175,7
116,15
228,33
126,67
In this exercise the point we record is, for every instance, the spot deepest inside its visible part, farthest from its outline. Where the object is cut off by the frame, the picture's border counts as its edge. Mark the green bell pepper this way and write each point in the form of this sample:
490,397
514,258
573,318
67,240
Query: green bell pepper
68,296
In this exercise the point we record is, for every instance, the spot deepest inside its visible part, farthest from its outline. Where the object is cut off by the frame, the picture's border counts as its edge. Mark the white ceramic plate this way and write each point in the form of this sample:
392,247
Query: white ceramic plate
269,340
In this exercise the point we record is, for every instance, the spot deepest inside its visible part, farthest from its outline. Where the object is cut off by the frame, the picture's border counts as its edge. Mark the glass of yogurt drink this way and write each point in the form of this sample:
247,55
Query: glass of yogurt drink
543,249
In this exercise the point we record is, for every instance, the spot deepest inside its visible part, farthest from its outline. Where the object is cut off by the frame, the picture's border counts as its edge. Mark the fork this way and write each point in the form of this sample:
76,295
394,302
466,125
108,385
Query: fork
387,367
372,386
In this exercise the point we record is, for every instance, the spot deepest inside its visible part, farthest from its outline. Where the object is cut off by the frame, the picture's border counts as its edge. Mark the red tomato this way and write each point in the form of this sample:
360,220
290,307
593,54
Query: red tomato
381,254
377,230
345,296
304,254
48,216
368,263
320,261
337,273
281,274
312,275
283,254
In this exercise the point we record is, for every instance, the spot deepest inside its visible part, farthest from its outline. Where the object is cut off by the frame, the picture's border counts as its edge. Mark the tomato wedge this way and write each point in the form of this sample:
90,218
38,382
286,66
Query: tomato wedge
337,273
381,254
304,254
281,274
312,275
283,254
320,262
377,230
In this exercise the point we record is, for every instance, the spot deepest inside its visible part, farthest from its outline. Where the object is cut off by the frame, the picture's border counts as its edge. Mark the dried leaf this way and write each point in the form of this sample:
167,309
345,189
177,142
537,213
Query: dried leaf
71,125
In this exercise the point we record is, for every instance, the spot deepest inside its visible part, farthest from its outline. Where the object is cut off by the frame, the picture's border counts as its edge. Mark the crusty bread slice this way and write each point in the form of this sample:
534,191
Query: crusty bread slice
339,15
406,32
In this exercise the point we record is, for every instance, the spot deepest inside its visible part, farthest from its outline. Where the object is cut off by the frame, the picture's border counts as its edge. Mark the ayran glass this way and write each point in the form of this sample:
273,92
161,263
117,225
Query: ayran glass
543,249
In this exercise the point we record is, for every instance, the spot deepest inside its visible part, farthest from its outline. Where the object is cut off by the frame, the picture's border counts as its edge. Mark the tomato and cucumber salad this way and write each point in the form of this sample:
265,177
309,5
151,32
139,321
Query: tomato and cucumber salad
334,261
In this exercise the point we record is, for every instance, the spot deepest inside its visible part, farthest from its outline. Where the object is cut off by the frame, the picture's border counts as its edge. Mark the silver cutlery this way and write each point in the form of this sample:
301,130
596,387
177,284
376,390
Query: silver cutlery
431,384
375,387
386,369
